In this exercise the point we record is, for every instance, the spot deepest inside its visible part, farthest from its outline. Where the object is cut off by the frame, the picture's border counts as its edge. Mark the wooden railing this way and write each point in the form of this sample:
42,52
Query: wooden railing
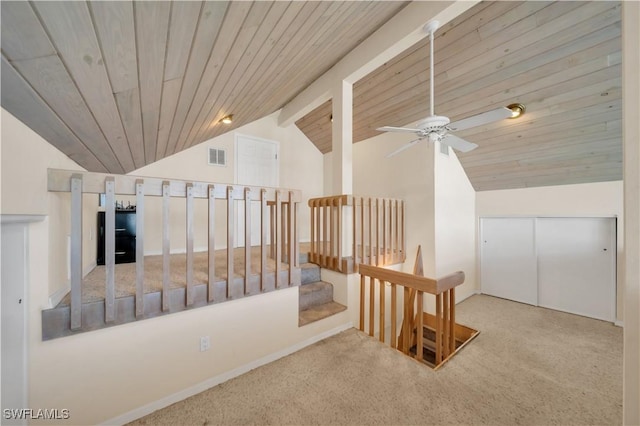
278,218
348,230
440,335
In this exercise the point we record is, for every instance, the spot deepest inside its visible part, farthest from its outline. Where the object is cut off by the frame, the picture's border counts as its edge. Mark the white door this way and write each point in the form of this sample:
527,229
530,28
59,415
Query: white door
576,265
256,165
13,287
508,259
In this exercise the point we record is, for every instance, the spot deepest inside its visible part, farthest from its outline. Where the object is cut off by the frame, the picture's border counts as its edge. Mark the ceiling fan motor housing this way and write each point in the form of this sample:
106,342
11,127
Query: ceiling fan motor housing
434,123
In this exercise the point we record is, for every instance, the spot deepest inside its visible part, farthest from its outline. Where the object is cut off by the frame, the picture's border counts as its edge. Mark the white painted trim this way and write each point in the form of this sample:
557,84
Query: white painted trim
619,323
58,295
221,378
21,218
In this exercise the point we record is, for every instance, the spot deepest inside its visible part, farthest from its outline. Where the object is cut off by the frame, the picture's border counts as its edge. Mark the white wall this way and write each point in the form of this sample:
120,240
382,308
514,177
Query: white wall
126,371
589,199
301,167
408,176
455,219
25,159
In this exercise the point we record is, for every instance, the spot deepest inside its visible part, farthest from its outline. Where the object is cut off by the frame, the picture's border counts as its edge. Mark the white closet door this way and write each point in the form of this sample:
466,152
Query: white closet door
508,259
576,265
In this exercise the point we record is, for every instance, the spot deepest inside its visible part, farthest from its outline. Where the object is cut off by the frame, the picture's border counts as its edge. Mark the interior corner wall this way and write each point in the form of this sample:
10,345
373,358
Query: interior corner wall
301,167
25,159
455,222
580,200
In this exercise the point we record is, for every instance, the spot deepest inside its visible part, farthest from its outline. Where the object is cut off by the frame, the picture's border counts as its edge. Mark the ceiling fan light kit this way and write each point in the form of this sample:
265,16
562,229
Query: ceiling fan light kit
437,128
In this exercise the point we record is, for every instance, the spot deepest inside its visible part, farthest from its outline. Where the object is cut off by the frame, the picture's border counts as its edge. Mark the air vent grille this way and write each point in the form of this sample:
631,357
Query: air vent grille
217,157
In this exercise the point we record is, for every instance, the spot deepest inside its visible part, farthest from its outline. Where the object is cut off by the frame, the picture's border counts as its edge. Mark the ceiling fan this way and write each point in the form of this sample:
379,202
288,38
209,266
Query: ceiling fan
436,128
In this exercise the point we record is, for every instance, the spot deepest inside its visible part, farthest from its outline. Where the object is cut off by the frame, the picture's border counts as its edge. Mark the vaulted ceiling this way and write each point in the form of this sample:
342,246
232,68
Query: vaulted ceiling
562,60
118,85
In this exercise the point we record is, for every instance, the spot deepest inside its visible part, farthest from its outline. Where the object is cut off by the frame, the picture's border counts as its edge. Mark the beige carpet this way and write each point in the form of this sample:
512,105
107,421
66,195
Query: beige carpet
529,366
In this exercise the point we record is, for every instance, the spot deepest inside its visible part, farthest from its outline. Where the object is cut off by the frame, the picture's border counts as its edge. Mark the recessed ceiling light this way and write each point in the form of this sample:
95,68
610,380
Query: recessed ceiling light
228,119
516,110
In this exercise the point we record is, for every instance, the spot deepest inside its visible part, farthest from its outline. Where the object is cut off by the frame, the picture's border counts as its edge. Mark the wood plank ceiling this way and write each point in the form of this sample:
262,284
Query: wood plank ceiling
118,85
562,60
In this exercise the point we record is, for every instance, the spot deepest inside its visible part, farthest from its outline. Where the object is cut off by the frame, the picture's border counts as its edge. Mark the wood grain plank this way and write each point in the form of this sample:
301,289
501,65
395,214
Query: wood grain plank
22,34
166,244
71,30
182,27
128,102
152,26
48,76
110,250
211,228
170,96
220,98
240,24
25,104
189,208
209,23
114,25
75,260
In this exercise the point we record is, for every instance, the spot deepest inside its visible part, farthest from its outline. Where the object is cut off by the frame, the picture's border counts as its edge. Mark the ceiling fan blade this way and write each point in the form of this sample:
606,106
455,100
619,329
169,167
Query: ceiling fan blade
458,144
480,119
402,148
396,129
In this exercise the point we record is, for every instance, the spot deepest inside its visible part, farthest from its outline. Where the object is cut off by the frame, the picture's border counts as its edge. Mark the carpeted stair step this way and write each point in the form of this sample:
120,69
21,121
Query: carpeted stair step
314,294
310,273
319,312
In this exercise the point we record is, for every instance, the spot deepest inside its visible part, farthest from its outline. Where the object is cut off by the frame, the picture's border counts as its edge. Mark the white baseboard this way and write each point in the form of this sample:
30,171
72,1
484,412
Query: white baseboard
619,323
213,381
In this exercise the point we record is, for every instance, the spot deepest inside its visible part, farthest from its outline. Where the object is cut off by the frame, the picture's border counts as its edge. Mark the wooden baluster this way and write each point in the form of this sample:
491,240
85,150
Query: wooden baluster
296,239
139,248
372,305
377,232
445,324
370,232
291,234
76,251
396,256
319,243
278,238
263,238
362,229
438,328
283,238
110,249
419,327
212,242
230,239
166,244
406,327
394,314
247,239
382,310
384,231
312,233
332,231
272,230
189,215
354,248
403,232
339,236
362,290
452,320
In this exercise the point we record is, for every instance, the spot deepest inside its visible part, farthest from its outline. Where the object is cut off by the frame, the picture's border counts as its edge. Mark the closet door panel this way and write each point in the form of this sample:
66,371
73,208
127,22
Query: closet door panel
576,265
508,259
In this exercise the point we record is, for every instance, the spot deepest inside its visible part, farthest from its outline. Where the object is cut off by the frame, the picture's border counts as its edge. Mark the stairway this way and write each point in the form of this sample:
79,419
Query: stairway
316,296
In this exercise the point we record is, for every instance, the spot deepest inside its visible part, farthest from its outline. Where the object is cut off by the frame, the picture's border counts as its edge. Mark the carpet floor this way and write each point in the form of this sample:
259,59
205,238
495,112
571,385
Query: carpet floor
528,366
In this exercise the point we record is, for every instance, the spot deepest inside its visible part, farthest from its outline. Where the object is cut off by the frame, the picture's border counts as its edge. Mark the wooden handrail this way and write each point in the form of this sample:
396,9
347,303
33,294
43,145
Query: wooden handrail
376,236
414,319
278,207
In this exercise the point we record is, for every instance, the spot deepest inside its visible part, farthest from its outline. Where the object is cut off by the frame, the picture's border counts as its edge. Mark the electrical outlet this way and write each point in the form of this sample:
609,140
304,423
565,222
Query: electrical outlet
205,343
